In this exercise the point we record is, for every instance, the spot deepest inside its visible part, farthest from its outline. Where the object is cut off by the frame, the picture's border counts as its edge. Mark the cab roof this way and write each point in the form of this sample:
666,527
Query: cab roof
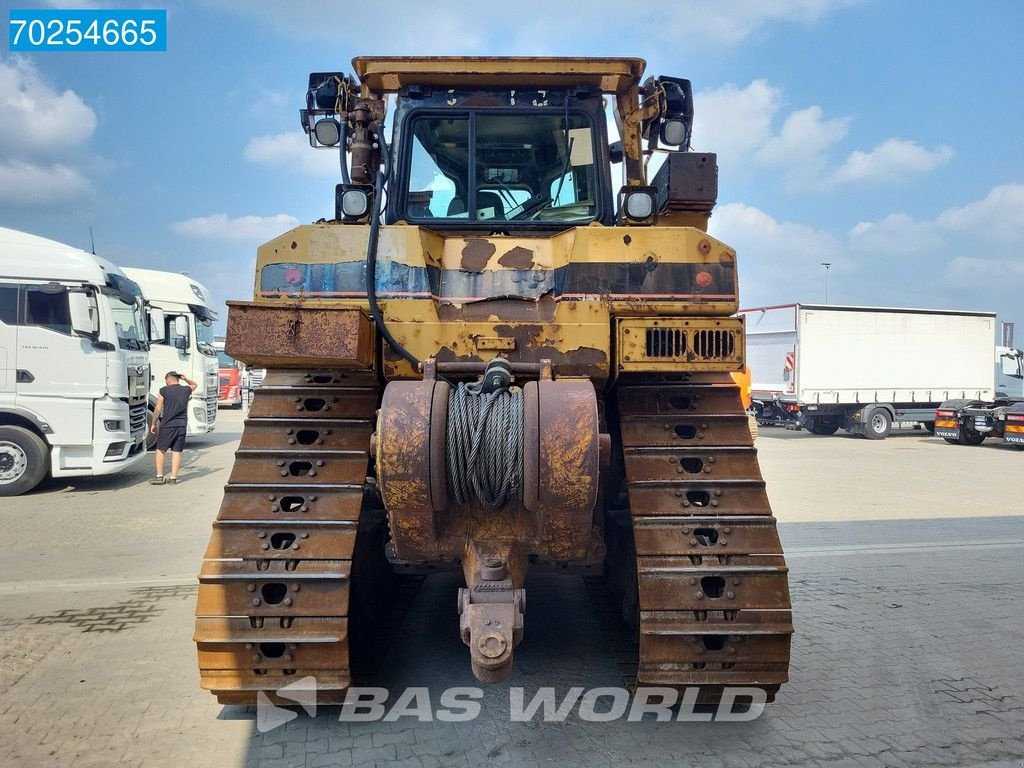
390,73
30,257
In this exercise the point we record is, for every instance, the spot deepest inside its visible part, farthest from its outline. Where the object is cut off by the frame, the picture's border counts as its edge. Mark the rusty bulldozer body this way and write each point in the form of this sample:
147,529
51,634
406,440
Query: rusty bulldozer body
499,369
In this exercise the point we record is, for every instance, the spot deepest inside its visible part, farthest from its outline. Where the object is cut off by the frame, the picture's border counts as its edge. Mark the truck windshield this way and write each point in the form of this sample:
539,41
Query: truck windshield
204,337
129,323
225,360
521,167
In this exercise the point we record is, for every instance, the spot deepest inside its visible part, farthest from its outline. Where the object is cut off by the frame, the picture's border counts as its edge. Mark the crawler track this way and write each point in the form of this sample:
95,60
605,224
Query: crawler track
709,592
295,562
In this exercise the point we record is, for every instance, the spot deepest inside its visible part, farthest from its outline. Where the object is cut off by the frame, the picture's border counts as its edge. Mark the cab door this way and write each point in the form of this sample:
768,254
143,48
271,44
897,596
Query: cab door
8,340
60,374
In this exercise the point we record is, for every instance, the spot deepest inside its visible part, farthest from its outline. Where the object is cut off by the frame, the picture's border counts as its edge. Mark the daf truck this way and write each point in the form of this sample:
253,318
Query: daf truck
74,367
181,312
969,422
863,369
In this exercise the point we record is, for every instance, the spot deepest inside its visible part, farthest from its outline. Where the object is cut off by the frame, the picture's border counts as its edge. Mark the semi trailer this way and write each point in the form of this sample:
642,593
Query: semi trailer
863,369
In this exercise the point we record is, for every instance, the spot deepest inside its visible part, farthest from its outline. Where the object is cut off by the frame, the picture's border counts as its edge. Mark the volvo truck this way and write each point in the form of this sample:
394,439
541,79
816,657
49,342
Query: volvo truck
969,422
181,313
864,369
74,367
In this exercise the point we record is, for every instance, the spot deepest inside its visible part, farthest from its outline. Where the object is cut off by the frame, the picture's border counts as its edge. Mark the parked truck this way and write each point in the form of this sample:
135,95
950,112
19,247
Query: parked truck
969,422
74,369
229,371
181,310
862,369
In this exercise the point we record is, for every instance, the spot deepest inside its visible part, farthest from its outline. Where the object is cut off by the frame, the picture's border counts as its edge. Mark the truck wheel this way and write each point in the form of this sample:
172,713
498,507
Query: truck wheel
878,425
823,427
970,437
24,460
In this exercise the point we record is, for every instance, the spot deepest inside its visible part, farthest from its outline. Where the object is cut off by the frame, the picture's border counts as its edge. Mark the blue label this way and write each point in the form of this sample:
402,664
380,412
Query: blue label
87,30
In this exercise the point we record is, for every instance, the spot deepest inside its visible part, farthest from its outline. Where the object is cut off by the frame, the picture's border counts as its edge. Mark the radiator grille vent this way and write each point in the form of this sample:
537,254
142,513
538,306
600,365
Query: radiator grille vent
666,342
714,344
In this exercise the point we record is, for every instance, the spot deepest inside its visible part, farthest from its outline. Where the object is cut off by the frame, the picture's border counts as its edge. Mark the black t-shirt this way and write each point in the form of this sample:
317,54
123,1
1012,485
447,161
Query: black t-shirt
175,413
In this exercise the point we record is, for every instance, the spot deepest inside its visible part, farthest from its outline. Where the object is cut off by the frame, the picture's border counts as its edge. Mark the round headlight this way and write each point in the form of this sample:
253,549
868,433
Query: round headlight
639,205
355,203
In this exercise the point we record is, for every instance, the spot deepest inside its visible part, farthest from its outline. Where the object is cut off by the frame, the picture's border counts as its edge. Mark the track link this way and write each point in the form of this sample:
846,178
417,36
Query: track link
274,589
710,580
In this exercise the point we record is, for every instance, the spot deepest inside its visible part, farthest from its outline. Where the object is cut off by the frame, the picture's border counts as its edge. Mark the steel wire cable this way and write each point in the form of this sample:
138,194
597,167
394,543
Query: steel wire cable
485,444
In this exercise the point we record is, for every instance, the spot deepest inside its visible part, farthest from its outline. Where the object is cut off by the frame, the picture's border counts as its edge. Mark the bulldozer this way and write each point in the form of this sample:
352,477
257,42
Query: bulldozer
509,351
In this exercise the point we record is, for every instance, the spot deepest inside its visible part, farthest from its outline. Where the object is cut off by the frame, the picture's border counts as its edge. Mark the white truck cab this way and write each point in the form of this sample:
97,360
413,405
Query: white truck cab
1009,372
181,314
74,367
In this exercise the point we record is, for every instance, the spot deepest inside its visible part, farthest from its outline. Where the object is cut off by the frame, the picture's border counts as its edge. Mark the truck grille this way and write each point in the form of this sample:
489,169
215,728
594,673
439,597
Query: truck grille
714,344
666,342
137,418
680,344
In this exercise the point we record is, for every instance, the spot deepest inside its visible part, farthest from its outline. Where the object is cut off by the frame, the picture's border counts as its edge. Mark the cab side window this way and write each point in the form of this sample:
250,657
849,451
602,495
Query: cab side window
8,304
45,310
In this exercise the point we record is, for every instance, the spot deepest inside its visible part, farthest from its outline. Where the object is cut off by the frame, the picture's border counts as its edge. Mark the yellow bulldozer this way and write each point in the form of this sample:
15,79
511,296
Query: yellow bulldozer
510,350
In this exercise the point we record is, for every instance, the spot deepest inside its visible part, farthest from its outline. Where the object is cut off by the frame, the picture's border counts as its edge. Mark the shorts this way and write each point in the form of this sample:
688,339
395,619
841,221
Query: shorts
170,439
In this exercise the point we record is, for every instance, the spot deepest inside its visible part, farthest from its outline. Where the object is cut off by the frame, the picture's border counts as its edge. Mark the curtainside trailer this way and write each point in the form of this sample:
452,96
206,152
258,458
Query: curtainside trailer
863,369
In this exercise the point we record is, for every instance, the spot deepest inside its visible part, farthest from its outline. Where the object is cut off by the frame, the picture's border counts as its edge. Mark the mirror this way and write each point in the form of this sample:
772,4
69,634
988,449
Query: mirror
84,317
1010,365
156,325
181,337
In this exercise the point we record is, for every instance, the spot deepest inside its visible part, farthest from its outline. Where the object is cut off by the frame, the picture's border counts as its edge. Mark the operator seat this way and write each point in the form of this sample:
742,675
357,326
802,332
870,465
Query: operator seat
484,200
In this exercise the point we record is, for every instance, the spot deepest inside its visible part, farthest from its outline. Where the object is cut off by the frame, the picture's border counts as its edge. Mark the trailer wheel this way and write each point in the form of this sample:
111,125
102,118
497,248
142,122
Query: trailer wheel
24,459
878,425
822,426
970,437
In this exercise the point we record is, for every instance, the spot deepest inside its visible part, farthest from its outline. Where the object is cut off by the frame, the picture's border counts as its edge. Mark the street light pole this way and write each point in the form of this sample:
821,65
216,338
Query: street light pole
826,265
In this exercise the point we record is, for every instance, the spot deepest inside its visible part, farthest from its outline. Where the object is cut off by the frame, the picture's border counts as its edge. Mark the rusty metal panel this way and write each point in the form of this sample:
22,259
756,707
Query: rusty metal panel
680,344
686,430
295,335
299,467
706,537
223,571
272,655
722,498
284,595
310,403
325,540
692,463
674,583
325,435
241,686
237,629
311,502
669,398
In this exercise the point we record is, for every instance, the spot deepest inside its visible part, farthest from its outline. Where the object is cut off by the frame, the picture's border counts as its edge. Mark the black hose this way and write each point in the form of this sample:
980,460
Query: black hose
343,151
371,255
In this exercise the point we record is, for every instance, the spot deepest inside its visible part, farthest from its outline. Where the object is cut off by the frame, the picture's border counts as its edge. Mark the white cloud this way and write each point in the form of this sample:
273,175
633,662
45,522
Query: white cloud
733,121
291,151
43,137
892,160
1000,215
897,233
26,184
219,226
804,134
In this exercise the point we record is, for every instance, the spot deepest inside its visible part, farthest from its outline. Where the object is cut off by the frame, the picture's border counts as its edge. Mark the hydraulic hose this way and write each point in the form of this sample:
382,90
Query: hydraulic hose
371,253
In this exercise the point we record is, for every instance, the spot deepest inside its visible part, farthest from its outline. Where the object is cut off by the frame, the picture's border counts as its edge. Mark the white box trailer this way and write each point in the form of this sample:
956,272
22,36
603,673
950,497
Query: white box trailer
827,367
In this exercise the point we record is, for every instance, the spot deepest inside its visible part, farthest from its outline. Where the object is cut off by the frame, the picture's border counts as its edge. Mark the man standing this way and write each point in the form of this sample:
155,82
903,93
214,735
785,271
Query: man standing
170,420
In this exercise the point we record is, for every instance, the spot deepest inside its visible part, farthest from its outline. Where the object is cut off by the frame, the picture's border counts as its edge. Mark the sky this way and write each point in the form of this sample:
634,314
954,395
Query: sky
881,136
